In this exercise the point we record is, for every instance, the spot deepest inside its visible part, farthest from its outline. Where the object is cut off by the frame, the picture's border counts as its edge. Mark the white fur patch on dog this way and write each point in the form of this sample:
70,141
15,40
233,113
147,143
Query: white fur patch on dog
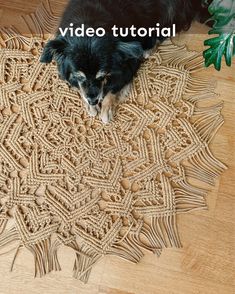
108,108
124,93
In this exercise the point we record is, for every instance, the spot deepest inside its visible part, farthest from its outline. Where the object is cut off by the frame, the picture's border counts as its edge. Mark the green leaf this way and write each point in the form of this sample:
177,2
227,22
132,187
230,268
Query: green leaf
229,51
213,42
223,14
214,55
221,7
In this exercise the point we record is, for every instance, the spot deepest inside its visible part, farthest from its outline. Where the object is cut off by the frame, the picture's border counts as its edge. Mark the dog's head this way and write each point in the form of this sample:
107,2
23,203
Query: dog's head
90,63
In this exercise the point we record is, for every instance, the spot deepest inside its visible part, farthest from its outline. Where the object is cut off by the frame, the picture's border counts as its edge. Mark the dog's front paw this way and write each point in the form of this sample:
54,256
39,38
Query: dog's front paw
147,53
108,108
92,110
107,113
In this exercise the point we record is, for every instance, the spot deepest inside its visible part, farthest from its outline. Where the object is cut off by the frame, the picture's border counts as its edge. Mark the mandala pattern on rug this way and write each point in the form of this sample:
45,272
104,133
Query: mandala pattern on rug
65,178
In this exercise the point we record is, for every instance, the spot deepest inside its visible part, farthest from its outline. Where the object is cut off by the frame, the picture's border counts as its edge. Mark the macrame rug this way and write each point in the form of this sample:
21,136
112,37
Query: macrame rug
67,179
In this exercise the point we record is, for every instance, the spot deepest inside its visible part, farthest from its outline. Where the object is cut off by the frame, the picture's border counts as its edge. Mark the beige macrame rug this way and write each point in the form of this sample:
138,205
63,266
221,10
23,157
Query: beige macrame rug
67,179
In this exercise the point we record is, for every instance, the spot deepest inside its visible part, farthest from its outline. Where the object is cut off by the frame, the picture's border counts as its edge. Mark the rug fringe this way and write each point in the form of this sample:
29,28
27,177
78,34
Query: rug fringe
155,242
3,223
204,166
188,197
168,222
210,109
85,259
198,85
204,95
161,233
42,21
10,38
45,256
41,26
178,57
8,236
191,189
126,249
186,201
15,256
209,122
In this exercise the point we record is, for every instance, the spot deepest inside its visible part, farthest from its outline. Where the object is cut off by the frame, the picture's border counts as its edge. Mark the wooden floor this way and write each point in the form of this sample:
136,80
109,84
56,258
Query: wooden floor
205,264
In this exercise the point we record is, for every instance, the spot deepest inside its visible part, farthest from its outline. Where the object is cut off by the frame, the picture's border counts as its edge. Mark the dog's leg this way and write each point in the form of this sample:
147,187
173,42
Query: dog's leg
92,110
108,107
123,94
149,52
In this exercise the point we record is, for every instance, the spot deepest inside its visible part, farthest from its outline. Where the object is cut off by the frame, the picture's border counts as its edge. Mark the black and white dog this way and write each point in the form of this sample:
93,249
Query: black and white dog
101,67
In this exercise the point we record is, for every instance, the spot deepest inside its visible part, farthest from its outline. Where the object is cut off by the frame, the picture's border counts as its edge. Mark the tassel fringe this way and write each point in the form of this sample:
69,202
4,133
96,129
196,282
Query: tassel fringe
85,259
204,167
3,223
45,256
8,236
42,22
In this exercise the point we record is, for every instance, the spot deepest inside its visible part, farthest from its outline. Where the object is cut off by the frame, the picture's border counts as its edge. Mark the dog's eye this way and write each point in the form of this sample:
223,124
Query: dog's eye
77,77
102,78
81,79
80,76
83,83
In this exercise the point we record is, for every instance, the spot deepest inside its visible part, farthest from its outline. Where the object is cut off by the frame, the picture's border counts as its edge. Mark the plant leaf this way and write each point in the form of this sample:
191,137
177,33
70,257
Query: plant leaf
230,44
221,7
223,14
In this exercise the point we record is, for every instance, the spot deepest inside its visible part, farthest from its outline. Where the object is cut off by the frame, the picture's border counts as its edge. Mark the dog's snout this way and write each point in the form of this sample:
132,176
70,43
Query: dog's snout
93,96
93,101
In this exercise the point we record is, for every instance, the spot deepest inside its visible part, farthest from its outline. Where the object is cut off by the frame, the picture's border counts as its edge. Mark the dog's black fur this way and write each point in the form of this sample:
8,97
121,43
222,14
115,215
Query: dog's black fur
79,59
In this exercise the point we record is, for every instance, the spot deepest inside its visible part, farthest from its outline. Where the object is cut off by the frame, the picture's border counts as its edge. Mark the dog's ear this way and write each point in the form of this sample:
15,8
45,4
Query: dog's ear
53,49
130,49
